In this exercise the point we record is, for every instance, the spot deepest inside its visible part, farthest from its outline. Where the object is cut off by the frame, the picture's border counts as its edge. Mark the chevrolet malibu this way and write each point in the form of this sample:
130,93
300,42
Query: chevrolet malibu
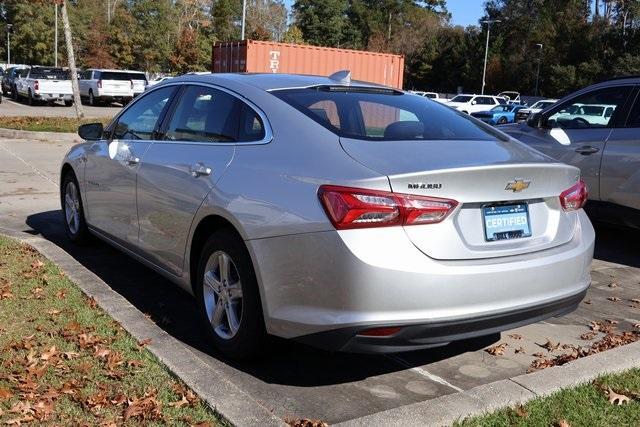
341,214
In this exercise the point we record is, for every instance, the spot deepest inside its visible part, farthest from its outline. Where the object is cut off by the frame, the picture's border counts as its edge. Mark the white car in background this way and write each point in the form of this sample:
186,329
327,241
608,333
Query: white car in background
431,95
44,85
474,103
98,86
524,113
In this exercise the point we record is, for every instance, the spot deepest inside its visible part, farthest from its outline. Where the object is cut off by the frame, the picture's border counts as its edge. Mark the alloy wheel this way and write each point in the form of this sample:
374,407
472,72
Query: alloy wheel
72,207
222,293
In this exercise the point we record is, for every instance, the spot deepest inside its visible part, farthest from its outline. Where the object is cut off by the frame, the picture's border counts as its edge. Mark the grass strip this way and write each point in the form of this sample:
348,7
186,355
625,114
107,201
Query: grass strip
48,124
64,361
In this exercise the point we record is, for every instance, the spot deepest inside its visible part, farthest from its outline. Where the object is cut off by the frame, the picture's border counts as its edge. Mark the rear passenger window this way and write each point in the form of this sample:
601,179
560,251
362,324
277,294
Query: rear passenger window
205,114
377,118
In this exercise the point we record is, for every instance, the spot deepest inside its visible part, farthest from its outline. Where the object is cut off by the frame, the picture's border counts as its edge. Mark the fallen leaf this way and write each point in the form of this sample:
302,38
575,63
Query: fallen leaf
614,299
588,336
49,353
521,412
587,301
101,353
617,399
519,350
37,264
5,394
563,423
134,363
53,312
497,350
613,285
180,403
144,343
304,422
549,345
515,336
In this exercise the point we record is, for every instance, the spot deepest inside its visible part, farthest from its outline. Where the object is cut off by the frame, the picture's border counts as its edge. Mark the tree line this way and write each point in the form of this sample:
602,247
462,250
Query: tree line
575,42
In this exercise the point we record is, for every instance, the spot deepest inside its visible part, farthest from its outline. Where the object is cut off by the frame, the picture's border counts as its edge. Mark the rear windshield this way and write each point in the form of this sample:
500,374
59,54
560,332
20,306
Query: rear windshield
376,115
122,75
49,74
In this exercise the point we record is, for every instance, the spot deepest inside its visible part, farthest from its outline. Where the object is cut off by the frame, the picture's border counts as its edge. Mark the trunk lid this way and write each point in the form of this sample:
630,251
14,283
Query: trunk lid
476,175
117,87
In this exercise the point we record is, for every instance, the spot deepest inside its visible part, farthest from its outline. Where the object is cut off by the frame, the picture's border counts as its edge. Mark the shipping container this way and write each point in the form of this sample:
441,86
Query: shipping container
251,56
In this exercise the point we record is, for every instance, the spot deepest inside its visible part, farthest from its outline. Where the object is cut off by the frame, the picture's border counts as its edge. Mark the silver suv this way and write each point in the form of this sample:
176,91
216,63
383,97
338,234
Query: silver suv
598,130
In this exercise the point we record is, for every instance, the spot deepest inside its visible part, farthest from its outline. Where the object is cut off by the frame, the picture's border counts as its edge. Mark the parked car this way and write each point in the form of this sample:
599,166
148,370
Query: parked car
596,129
363,236
499,115
43,85
156,81
101,86
474,103
511,97
524,113
8,80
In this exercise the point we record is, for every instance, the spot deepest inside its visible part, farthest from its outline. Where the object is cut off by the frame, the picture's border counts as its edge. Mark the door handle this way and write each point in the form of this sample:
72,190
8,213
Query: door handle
199,169
587,150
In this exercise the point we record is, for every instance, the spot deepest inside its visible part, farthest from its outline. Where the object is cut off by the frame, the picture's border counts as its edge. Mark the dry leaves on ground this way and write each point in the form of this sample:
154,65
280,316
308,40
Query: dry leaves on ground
497,350
617,399
304,422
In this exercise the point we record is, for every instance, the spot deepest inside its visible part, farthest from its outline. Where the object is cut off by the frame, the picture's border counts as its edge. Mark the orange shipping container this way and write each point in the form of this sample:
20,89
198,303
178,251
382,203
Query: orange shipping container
253,56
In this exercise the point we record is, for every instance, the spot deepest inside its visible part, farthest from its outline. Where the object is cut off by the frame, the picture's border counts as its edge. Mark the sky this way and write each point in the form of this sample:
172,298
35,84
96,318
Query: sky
465,12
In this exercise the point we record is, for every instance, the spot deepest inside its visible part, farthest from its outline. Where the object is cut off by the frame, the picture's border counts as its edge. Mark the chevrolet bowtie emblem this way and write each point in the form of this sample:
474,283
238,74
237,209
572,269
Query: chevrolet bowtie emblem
517,185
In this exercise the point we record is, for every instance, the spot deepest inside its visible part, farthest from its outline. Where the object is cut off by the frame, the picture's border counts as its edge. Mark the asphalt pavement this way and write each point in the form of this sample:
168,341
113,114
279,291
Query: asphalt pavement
9,107
294,380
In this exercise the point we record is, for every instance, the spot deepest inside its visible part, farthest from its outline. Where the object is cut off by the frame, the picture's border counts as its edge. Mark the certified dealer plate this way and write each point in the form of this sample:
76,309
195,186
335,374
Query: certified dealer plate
505,222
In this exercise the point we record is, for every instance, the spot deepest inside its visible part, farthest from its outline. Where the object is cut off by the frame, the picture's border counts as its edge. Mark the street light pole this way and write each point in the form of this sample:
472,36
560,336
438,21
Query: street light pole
55,37
244,16
539,45
9,30
486,51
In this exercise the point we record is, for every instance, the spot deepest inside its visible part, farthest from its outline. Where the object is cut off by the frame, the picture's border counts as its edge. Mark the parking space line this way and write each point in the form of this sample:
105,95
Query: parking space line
418,370
35,169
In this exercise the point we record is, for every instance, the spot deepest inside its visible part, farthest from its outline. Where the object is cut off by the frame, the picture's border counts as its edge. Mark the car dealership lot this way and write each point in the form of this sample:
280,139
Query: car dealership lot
9,107
298,381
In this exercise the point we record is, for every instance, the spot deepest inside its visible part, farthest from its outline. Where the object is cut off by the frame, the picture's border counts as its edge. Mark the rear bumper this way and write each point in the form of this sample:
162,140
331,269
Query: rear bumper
326,286
53,97
434,334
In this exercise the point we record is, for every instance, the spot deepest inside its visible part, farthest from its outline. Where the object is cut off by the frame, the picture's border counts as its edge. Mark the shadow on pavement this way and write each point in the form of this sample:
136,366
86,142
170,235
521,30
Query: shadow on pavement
286,362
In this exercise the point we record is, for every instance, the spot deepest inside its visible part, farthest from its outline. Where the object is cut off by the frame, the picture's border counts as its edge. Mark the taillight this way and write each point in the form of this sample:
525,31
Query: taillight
360,208
575,197
36,85
99,84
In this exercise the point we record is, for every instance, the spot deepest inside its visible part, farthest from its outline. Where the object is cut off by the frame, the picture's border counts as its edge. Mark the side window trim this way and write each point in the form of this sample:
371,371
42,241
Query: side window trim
268,133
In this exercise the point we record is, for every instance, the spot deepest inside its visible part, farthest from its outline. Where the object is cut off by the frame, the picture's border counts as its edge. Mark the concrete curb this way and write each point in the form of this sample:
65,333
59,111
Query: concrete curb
486,398
212,386
40,136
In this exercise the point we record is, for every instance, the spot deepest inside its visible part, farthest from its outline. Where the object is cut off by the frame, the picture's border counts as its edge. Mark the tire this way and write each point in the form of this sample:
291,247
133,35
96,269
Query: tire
237,292
92,100
502,121
68,103
73,211
30,99
5,92
14,94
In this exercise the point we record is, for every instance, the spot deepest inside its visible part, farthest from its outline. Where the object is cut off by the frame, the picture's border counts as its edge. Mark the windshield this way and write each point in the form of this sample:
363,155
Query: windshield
462,98
590,110
381,114
542,104
49,74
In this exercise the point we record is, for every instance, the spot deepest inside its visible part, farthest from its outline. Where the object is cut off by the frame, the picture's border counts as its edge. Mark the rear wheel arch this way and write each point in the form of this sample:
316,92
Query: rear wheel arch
205,228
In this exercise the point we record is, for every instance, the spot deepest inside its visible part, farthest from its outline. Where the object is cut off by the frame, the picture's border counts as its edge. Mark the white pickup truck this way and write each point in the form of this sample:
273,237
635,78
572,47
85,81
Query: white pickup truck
98,86
44,85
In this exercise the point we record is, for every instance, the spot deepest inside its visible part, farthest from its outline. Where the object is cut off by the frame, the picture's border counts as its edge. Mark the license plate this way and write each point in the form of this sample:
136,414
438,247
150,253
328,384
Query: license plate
505,222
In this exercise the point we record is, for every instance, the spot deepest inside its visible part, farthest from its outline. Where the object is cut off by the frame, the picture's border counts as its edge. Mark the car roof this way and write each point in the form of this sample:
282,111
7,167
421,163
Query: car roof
113,70
270,81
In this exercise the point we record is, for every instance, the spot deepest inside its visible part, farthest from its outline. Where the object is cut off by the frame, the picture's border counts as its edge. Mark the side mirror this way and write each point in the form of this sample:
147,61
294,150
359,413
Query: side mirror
91,131
474,102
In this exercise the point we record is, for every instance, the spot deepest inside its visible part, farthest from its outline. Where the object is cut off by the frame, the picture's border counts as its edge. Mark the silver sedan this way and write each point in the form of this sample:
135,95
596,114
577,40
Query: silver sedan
338,213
